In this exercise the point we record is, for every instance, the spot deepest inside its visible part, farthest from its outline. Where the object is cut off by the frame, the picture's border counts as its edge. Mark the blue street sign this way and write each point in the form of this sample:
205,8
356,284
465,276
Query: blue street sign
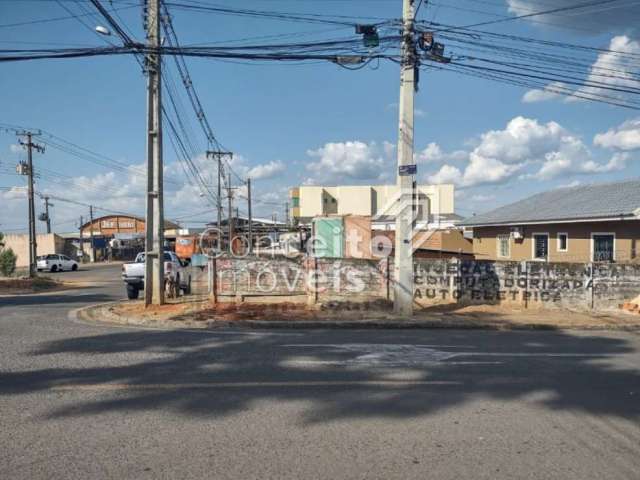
407,170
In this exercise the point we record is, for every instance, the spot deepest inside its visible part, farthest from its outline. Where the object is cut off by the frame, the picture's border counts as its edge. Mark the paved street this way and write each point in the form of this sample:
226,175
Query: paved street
81,401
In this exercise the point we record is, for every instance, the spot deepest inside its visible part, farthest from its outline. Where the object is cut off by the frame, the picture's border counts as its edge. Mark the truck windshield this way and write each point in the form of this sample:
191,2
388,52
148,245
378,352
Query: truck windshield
140,257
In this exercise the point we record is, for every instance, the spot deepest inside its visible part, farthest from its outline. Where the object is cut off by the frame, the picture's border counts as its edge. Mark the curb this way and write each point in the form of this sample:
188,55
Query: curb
86,315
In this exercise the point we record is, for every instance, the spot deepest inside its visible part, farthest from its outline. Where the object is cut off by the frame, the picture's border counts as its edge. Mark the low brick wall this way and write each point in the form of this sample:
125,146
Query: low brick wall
574,286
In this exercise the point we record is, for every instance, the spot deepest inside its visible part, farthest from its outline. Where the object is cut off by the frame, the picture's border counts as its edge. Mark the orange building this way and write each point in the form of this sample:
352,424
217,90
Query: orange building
109,225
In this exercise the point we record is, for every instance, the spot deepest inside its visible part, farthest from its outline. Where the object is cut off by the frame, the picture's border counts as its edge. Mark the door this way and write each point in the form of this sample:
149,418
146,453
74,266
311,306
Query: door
66,262
603,249
540,246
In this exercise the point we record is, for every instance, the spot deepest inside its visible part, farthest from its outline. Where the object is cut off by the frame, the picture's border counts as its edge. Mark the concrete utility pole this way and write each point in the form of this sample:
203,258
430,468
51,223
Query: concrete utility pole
403,288
250,239
154,224
93,246
46,213
229,219
219,156
286,213
28,170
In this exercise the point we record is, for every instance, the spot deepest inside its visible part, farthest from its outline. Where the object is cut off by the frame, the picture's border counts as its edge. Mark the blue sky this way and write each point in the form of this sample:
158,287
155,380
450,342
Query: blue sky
313,123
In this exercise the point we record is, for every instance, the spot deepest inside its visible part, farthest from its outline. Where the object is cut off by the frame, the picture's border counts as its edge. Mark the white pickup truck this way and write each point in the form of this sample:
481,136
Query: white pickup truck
174,270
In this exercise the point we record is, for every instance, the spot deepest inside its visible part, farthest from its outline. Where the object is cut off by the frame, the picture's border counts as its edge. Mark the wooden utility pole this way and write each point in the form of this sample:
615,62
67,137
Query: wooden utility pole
93,246
28,170
46,213
154,219
81,238
250,239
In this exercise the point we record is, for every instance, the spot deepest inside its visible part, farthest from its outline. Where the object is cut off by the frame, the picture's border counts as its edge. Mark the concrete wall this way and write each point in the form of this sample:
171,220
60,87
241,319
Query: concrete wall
46,244
627,241
571,286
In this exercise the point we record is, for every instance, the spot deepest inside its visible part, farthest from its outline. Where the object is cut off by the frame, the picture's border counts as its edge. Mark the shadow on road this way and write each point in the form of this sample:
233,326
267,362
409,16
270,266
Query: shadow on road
333,379
64,297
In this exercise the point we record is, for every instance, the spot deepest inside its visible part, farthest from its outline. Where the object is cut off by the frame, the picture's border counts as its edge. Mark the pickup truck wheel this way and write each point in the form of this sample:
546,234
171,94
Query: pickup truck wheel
54,269
132,291
176,287
187,289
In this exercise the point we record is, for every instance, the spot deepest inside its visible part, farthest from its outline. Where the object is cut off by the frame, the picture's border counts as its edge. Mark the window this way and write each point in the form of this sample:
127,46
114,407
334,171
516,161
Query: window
295,202
603,247
540,246
504,246
563,242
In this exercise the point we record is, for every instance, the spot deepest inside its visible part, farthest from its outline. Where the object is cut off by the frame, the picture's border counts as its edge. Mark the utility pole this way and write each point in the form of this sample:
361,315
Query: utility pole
229,219
93,247
46,213
154,221
250,239
403,288
81,238
219,156
28,170
286,213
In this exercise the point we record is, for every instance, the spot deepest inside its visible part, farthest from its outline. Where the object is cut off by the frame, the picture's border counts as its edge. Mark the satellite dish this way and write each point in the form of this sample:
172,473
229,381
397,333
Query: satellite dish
103,30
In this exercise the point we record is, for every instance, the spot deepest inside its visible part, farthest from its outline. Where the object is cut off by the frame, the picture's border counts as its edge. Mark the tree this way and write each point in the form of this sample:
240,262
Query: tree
7,259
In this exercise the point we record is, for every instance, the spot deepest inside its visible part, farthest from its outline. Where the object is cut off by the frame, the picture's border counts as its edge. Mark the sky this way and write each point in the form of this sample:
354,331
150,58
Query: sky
315,123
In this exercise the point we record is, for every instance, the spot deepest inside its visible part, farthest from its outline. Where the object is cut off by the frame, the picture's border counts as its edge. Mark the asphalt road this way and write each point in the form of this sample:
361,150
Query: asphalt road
81,401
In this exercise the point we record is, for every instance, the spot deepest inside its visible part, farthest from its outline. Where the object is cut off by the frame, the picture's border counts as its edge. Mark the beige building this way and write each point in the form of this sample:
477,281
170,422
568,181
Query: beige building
377,201
592,223
47,243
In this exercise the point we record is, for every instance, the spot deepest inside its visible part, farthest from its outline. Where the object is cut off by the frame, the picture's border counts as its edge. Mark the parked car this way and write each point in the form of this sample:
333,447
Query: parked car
56,263
175,271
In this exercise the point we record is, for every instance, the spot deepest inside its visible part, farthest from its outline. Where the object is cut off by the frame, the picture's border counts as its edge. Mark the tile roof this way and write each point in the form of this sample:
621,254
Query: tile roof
584,202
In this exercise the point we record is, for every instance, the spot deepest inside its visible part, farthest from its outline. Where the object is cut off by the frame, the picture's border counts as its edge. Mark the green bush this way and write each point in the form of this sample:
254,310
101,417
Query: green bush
7,262
7,259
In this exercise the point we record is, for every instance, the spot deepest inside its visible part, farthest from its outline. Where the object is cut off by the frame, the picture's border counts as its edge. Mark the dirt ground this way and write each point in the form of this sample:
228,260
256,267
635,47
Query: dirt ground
15,286
294,311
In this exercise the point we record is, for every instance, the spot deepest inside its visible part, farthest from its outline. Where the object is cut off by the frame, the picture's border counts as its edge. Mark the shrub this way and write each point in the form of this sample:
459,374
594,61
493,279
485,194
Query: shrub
7,262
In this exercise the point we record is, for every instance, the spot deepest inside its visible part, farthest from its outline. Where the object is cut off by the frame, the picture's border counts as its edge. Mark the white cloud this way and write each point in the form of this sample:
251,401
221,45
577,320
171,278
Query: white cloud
347,161
267,170
433,153
15,148
573,183
615,69
446,174
624,137
589,20
480,197
623,68
527,148
550,92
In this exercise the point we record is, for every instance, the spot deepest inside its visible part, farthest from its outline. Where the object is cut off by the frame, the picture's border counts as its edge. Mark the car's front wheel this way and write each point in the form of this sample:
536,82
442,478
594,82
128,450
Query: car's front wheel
74,267
132,291
187,289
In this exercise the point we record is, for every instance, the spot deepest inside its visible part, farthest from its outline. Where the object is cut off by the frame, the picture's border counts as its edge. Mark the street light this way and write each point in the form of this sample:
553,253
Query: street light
103,30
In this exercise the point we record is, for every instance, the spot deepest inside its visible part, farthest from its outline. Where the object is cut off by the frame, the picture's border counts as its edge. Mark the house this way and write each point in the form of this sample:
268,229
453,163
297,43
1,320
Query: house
377,201
590,223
